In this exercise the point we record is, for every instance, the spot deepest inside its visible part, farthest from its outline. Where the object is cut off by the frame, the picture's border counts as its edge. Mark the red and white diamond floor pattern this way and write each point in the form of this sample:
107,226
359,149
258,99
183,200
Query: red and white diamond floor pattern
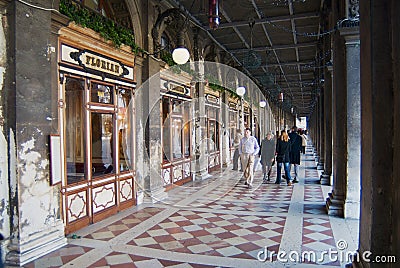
224,225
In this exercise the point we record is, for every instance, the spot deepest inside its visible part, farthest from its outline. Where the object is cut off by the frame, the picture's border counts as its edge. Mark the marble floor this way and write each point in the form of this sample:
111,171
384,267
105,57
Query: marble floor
219,222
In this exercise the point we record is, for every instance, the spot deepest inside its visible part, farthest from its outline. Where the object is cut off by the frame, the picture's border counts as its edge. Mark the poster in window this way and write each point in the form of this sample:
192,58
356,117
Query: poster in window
55,159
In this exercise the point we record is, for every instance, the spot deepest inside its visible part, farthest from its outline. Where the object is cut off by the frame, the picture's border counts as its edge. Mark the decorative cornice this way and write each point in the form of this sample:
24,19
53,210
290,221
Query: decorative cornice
353,8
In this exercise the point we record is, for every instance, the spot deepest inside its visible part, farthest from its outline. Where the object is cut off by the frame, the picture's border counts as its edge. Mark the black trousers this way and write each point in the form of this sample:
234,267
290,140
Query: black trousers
236,159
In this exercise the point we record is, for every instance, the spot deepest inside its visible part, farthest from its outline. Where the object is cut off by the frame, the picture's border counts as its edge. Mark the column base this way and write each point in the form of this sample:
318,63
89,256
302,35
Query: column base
325,179
200,176
139,197
39,244
154,196
320,165
335,205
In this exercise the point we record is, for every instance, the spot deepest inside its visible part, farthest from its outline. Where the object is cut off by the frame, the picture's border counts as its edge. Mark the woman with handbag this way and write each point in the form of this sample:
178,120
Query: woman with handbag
282,157
267,156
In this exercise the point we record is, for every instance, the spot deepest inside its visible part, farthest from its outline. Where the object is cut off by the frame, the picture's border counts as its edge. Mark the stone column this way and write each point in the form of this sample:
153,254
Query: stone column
335,201
148,125
352,202
225,154
325,178
5,229
200,157
36,218
200,160
380,102
321,121
345,198
316,132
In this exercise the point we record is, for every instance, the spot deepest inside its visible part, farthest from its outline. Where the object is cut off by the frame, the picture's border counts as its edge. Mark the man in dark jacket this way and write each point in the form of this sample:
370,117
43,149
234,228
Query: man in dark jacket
296,143
267,156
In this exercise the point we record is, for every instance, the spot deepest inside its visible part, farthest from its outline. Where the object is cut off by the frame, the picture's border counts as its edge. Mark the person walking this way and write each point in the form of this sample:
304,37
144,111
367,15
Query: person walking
295,149
248,149
304,139
282,158
267,156
236,143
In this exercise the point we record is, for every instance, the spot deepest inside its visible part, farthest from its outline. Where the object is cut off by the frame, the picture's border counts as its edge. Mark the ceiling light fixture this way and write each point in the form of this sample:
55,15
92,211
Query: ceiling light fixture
240,91
181,54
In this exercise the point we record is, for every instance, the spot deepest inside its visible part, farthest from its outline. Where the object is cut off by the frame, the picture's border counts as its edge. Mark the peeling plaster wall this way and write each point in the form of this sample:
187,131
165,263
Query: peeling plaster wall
39,203
35,214
4,184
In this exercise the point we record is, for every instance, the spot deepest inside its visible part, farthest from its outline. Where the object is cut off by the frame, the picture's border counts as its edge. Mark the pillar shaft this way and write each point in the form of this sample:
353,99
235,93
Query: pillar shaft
352,202
335,201
344,199
380,95
36,220
321,128
326,176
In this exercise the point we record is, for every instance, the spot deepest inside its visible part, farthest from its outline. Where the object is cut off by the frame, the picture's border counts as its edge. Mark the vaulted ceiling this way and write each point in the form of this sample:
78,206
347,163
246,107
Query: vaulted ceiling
276,42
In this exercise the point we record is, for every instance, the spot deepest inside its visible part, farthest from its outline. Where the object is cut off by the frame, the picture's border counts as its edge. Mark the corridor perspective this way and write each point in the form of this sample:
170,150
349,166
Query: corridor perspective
219,222
122,122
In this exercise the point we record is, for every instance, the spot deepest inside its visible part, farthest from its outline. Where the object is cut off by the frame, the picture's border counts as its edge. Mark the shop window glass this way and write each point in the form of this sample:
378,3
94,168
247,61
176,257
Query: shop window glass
211,136
101,93
74,134
177,137
186,131
124,128
102,144
177,106
166,129
213,130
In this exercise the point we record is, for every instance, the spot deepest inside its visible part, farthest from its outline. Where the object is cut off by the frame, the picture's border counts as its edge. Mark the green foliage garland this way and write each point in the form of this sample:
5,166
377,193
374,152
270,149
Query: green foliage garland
220,88
107,28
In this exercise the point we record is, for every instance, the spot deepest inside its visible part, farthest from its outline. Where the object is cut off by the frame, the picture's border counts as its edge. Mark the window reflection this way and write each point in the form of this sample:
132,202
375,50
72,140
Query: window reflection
177,137
74,133
102,144
101,93
176,129
166,129
211,136
124,127
213,130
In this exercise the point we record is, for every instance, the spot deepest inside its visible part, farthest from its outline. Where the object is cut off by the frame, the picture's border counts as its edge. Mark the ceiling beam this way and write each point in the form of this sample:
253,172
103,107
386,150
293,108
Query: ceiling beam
290,63
302,73
276,47
307,15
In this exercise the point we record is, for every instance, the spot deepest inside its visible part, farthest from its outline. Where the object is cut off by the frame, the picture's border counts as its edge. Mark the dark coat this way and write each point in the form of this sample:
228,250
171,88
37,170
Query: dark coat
282,151
296,146
267,150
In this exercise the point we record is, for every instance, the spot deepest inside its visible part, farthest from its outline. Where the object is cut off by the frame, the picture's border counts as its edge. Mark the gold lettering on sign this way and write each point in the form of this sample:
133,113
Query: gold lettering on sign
97,63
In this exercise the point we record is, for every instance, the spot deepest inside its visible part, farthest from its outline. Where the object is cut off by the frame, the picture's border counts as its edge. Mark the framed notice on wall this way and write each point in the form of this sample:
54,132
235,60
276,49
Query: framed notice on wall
55,159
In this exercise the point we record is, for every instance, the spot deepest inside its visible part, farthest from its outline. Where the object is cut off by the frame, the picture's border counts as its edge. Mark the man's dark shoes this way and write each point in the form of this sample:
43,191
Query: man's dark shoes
295,180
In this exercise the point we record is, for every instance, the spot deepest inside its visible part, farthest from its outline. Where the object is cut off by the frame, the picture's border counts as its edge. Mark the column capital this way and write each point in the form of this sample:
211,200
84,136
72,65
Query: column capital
351,35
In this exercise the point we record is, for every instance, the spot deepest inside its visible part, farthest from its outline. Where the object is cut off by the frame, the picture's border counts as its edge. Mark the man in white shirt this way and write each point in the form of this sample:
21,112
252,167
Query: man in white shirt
248,149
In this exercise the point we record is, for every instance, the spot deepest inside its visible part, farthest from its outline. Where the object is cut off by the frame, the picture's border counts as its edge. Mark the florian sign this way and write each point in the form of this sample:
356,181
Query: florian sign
95,63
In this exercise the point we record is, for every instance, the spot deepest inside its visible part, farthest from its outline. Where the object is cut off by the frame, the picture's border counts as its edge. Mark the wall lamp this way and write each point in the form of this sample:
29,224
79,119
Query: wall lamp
263,103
